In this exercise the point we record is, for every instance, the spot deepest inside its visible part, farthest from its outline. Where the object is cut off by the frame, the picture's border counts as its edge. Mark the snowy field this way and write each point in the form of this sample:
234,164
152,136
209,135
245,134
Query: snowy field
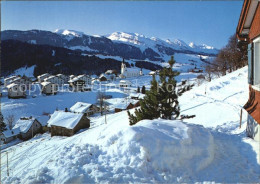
210,147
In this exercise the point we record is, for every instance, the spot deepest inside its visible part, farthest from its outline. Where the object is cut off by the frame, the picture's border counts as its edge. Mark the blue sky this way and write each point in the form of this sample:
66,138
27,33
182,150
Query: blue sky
206,22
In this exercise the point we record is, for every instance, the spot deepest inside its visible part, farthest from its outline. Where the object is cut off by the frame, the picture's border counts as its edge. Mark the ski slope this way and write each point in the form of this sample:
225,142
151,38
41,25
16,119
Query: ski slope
208,148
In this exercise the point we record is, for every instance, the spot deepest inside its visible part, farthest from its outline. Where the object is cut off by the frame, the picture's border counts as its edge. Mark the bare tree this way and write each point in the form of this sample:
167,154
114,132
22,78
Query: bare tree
10,121
209,70
101,101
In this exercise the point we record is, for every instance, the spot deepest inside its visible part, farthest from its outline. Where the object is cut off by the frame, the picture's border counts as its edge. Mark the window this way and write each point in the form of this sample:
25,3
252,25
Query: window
250,63
256,61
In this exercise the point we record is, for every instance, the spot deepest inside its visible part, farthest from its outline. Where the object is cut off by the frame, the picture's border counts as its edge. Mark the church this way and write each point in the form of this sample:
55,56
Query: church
129,72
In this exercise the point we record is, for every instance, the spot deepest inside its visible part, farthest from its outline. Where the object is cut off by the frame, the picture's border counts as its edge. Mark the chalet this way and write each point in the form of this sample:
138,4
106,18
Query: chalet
9,135
16,91
42,77
77,84
28,127
248,31
103,77
63,77
125,83
67,123
85,78
49,88
85,108
123,106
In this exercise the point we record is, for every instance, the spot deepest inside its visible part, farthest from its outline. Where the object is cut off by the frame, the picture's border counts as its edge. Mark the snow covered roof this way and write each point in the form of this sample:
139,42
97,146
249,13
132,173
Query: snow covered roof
24,124
11,85
80,107
60,75
45,83
50,77
10,78
125,82
11,133
43,75
134,70
64,119
123,105
103,75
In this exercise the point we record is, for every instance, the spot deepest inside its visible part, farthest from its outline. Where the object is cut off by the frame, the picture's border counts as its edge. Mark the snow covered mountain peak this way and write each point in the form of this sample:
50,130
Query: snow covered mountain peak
154,43
192,45
126,37
69,32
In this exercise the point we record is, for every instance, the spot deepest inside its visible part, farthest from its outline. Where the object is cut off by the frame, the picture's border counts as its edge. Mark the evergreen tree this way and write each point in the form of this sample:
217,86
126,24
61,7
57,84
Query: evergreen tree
143,90
2,124
138,89
162,99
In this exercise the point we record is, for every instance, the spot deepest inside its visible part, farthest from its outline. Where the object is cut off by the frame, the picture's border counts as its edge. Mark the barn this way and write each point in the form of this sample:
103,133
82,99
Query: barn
67,123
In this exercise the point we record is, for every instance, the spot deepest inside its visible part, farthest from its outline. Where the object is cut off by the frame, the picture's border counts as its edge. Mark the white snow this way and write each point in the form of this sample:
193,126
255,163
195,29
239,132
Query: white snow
69,32
83,48
9,133
27,71
24,124
144,42
80,107
208,148
64,119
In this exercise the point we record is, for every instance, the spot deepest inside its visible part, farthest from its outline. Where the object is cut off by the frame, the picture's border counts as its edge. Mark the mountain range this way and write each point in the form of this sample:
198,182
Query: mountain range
131,46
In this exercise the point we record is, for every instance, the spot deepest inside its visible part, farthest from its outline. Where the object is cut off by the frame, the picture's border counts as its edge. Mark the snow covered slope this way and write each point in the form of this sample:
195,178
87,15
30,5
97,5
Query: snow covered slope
152,150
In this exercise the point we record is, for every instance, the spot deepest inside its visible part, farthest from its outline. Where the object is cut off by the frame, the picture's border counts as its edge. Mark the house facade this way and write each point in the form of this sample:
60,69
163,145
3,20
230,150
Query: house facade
248,30
49,88
63,78
16,91
28,127
85,108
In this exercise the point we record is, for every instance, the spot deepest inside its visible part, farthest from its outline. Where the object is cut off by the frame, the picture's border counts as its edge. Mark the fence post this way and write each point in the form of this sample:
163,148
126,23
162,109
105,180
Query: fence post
240,118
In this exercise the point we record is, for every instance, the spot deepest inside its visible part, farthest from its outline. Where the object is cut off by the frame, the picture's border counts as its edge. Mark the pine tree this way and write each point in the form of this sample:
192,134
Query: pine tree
148,106
143,90
138,89
2,124
162,99
168,93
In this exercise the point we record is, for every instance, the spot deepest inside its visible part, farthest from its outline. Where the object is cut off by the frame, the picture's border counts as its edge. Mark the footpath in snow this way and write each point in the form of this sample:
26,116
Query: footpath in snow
209,147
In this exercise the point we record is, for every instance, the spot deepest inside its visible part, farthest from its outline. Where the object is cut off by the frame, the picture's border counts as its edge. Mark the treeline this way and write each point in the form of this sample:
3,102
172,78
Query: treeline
147,65
232,57
16,54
